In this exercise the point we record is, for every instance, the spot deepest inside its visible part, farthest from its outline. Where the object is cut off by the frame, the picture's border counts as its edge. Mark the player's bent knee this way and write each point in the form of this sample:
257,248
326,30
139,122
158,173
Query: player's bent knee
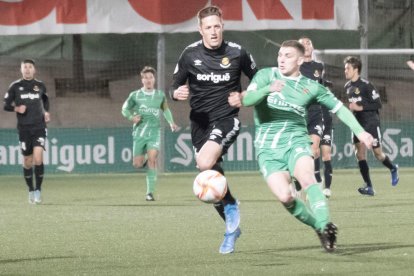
286,198
204,164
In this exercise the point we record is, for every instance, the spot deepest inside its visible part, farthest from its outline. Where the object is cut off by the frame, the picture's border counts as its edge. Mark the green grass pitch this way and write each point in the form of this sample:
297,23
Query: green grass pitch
102,225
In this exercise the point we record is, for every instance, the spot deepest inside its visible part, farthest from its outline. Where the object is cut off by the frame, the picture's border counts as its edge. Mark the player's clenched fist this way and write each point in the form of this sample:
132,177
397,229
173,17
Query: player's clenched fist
235,99
181,93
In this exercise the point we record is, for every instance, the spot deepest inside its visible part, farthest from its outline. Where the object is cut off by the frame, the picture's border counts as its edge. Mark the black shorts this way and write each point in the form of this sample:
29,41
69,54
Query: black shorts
375,131
223,132
30,138
327,135
315,123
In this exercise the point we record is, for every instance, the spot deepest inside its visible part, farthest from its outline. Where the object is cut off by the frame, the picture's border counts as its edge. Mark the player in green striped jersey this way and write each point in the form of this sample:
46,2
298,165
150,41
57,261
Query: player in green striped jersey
280,96
143,107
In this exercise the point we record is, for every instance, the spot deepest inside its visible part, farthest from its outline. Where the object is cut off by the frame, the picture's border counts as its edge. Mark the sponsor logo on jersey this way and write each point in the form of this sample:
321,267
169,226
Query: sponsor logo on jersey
225,63
36,88
143,109
355,99
276,100
213,77
197,62
30,96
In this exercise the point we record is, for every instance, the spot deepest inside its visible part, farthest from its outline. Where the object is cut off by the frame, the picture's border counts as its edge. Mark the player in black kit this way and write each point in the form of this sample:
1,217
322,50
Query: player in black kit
213,69
27,97
365,102
319,131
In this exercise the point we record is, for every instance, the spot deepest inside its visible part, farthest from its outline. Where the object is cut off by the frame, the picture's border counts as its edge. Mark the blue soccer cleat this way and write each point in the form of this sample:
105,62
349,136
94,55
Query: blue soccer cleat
229,242
232,215
394,176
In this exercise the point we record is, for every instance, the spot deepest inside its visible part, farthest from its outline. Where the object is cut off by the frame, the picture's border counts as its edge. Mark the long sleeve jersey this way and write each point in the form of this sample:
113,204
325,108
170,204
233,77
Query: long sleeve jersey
363,93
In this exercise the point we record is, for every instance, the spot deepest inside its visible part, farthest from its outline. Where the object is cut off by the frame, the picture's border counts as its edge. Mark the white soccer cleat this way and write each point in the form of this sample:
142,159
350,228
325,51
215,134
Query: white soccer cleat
31,197
327,193
37,197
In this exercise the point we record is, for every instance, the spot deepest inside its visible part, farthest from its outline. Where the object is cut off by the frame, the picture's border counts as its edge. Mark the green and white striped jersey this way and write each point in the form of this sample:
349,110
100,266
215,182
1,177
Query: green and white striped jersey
281,116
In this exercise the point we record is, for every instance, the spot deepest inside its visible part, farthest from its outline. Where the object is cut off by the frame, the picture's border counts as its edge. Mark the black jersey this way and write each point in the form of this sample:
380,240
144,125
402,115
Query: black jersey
313,70
32,94
363,93
212,74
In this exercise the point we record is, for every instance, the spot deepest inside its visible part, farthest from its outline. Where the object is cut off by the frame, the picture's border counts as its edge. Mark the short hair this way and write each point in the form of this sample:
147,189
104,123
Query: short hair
295,44
354,61
208,11
28,60
148,69
304,37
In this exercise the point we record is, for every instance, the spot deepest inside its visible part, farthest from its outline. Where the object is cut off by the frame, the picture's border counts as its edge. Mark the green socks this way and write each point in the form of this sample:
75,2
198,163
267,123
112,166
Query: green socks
318,206
299,210
151,180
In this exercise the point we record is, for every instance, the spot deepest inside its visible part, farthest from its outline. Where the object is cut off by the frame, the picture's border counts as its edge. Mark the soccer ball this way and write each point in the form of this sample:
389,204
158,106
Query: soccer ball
210,186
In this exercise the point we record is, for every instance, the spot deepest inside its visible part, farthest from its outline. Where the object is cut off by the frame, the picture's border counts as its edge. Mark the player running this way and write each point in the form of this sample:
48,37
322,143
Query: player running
212,67
280,97
365,102
142,107
319,118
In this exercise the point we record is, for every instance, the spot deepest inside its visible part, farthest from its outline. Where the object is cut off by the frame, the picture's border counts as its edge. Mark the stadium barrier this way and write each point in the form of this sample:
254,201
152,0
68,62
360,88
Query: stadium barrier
108,150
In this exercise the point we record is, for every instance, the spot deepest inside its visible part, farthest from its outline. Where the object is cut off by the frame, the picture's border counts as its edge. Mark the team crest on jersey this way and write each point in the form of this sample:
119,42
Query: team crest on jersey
225,63
316,74
36,88
197,62
357,91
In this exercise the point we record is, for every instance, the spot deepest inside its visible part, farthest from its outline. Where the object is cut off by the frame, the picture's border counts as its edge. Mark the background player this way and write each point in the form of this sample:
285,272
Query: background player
365,102
280,97
319,132
27,97
326,148
213,69
142,107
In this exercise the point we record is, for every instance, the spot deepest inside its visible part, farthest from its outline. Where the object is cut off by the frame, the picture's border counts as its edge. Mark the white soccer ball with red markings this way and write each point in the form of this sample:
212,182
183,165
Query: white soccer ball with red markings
210,186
